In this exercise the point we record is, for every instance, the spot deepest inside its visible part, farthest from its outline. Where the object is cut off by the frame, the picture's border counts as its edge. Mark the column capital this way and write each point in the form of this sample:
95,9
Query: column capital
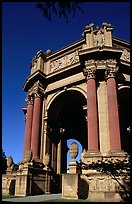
37,90
29,100
90,69
111,68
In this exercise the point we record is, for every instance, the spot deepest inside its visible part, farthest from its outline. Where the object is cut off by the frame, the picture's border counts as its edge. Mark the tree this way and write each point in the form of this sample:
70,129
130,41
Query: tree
60,9
119,170
4,163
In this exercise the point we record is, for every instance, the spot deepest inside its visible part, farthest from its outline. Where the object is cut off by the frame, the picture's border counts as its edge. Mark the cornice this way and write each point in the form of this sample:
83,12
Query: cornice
38,75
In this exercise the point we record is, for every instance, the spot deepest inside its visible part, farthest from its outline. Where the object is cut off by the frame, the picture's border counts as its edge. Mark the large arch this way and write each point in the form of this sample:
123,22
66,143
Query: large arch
66,112
124,116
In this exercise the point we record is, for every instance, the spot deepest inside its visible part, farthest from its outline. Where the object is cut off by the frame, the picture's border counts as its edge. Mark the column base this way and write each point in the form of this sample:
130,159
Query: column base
89,156
117,154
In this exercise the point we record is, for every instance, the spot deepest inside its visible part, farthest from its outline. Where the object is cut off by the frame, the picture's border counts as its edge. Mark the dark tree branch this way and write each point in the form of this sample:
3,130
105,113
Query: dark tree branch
60,9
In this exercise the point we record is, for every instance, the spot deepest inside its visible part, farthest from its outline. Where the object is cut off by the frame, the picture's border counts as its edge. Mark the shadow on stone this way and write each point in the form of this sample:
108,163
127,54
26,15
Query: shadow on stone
12,187
83,189
36,189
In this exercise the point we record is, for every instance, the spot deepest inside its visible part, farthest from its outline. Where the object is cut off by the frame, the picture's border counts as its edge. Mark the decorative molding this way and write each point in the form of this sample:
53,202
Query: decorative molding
64,61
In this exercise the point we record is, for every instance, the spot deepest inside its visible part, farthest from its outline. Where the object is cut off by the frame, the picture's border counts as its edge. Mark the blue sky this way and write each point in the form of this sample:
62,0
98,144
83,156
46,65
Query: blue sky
24,32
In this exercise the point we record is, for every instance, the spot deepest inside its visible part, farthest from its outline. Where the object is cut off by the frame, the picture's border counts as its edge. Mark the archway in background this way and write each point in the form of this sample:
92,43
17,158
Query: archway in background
124,117
66,112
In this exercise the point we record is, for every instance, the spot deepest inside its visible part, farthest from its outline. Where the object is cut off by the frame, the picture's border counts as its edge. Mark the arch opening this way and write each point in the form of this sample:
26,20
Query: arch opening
67,120
124,117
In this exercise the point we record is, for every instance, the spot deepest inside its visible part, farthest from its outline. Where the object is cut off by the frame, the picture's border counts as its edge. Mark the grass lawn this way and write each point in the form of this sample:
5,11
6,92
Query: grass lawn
50,200
10,196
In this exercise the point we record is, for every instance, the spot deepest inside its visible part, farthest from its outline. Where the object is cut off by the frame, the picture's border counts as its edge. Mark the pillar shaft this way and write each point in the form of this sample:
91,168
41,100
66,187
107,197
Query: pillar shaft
92,115
114,130
36,126
28,128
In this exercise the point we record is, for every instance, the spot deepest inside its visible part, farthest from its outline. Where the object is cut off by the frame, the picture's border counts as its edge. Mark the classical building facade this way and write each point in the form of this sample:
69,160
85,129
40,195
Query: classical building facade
81,91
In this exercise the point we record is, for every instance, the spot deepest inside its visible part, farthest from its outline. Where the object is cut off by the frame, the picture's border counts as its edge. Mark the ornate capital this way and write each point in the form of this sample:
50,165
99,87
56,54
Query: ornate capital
29,100
37,90
111,68
90,69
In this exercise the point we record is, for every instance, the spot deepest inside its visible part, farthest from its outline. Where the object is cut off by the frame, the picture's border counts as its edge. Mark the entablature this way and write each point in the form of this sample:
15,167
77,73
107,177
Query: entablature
96,44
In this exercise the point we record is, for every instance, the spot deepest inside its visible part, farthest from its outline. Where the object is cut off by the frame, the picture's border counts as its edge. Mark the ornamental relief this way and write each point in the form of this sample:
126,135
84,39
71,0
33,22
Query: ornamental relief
36,90
99,39
125,55
64,61
101,183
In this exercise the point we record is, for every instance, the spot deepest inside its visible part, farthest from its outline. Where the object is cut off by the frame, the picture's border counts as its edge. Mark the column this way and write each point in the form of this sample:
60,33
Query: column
36,125
28,128
113,117
47,144
92,116
59,157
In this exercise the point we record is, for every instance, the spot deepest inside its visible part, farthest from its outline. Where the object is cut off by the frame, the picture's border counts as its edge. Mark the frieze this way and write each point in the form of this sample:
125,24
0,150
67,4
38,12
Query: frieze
125,55
101,183
64,61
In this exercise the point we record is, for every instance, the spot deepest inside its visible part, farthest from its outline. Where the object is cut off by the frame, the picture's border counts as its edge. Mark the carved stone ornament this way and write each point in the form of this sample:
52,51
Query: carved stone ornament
9,161
99,39
89,71
110,72
46,159
111,68
125,55
37,90
27,156
73,150
64,61
29,100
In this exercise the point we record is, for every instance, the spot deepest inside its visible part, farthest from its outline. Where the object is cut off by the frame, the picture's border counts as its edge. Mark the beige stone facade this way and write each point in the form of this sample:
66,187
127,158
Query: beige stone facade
81,91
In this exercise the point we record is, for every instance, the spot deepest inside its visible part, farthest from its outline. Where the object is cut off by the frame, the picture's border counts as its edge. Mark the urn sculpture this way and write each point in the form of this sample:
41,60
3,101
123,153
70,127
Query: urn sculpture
9,161
46,159
73,150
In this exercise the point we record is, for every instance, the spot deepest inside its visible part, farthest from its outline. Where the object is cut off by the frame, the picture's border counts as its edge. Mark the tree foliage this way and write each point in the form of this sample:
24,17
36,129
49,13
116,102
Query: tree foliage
4,162
119,170
60,9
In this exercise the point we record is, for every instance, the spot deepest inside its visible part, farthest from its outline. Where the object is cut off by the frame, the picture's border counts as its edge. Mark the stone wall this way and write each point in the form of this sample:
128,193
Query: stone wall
93,186
8,184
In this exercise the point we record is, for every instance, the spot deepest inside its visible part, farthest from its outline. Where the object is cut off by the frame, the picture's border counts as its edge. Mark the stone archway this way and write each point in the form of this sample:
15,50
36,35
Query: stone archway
124,117
66,119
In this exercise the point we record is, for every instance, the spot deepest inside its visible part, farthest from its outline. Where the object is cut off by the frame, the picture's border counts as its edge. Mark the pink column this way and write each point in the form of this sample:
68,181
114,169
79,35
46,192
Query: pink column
28,128
114,130
92,116
36,126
